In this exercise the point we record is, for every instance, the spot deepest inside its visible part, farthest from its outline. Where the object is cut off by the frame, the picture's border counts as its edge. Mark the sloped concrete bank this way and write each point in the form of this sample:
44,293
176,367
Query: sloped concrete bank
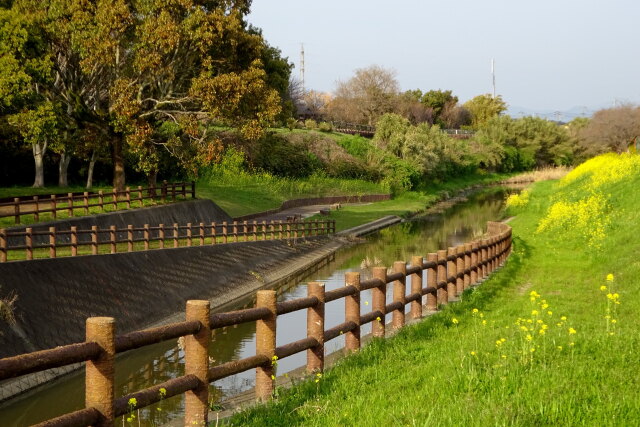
193,211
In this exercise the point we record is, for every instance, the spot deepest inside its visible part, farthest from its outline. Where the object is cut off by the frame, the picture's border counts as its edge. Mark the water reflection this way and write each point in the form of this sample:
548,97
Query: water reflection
154,364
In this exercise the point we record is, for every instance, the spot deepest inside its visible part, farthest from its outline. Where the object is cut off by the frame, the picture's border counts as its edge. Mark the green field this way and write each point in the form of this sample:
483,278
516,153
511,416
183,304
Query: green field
484,361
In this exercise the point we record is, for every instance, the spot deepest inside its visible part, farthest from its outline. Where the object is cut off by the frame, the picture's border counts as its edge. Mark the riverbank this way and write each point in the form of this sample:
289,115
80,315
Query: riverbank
543,342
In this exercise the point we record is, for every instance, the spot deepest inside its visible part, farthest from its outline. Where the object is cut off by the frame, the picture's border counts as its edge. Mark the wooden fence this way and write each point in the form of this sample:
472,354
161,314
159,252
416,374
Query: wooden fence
175,235
448,273
53,203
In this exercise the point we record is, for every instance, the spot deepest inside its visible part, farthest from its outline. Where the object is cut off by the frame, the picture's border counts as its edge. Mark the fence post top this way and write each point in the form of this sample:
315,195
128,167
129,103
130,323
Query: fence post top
316,284
267,292
442,253
399,265
352,275
198,303
100,321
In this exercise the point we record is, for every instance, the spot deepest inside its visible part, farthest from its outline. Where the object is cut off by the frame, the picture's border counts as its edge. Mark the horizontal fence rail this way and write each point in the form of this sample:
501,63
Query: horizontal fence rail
160,236
448,273
71,202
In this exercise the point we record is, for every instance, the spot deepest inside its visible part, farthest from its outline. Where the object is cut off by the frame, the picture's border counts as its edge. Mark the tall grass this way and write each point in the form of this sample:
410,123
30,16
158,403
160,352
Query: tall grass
551,339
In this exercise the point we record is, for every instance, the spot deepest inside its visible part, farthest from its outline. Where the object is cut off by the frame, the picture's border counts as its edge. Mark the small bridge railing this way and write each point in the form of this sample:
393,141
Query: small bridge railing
448,273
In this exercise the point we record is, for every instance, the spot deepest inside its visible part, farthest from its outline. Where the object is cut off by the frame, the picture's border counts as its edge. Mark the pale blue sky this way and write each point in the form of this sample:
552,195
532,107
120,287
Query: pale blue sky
550,55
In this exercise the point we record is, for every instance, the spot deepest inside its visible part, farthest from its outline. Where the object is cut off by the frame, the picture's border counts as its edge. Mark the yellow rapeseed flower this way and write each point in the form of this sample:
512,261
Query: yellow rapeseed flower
609,277
563,318
454,321
475,310
534,312
572,331
603,288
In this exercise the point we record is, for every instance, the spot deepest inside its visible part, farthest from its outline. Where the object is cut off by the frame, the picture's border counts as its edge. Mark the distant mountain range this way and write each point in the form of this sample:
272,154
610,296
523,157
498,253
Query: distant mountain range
557,115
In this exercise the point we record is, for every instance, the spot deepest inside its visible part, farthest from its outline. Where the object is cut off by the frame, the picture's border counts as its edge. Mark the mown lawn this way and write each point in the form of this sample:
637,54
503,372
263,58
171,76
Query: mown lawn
484,361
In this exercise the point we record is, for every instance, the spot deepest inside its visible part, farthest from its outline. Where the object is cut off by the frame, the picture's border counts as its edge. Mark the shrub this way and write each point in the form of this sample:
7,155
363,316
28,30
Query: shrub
325,127
277,155
292,123
310,124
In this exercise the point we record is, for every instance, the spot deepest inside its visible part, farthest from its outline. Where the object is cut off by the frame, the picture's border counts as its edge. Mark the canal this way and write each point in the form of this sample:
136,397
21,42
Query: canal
142,368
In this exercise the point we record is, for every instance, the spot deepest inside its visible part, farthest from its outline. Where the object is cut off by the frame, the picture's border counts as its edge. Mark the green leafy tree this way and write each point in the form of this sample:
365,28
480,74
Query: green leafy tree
121,69
390,133
438,101
483,108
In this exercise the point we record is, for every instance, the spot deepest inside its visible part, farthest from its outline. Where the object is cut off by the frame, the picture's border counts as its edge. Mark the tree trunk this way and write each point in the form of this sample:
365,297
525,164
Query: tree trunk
152,180
62,169
118,163
38,157
92,164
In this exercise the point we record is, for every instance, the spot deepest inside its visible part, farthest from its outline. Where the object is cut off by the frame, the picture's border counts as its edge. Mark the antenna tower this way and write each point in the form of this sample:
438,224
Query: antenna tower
302,65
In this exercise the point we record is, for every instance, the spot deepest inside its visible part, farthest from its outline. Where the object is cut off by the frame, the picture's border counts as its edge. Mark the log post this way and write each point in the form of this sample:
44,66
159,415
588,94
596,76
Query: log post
474,263
3,245
266,345
441,278
245,230
74,240
94,240
315,328
201,234
235,230
130,238
85,202
264,230
70,204
416,287
54,206
99,374
484,257
399,294
196,355
112,239
189,235
176,232
16,209
255,230
432,282
452,271
127,193
140,196
161,236
213,233
352,311
225,231
379,297
146,236
467,265
459,269
36,211
28,240
52,242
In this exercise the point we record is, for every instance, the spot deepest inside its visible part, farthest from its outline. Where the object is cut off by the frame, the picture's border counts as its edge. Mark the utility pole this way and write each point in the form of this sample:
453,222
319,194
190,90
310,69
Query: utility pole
493,76
302,66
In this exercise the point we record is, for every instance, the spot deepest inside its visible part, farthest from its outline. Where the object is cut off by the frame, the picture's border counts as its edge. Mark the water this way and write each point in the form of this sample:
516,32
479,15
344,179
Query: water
142,368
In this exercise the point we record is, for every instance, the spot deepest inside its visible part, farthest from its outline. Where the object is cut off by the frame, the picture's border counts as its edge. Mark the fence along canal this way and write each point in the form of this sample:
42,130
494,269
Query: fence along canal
226,343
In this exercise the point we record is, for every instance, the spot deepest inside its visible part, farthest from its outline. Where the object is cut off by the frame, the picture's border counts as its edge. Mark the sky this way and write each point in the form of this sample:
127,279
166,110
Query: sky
549,55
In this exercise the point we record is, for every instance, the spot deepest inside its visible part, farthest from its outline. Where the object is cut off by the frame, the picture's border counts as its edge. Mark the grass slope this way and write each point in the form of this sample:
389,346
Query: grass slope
484,361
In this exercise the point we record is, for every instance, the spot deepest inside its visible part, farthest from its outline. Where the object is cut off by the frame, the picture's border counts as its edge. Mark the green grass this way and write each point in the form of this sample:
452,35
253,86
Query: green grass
440,373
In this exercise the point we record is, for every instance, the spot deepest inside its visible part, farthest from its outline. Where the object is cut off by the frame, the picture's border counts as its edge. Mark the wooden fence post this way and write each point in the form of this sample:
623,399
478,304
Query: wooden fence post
225,231
467,265
94,240
54,206
484,257
441,276
474,263
146,236
399,293
452,271
140,196
16,209
36,212
74,240
176,232
85,202
189,235
352,311
459,269
161,236
113,248
266,344
196,355
379,297
255,230
130,238
213,233
315,328
202,234
70,204
264,230
3,245
52,242
99,376
127,193
245,230
432,282
416,287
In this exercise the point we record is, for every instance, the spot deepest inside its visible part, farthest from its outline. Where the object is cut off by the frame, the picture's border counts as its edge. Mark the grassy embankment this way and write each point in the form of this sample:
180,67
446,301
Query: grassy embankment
551,339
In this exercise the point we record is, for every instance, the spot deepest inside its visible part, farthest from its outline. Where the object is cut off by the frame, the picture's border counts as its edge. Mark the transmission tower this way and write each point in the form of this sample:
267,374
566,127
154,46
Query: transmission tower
302,65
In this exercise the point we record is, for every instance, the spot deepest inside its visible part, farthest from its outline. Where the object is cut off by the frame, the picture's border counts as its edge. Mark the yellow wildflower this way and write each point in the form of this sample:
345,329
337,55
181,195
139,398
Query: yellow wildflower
609,277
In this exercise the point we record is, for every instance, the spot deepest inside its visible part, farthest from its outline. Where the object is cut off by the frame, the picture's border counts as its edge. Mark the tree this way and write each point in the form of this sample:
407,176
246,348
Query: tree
369,94
390,133
611,129
410,107
454,116
122,69
438,100
484,107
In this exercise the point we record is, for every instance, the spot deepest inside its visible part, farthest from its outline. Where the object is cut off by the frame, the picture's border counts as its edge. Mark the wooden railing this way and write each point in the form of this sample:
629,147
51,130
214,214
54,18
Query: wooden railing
448,273
151,237
37,205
